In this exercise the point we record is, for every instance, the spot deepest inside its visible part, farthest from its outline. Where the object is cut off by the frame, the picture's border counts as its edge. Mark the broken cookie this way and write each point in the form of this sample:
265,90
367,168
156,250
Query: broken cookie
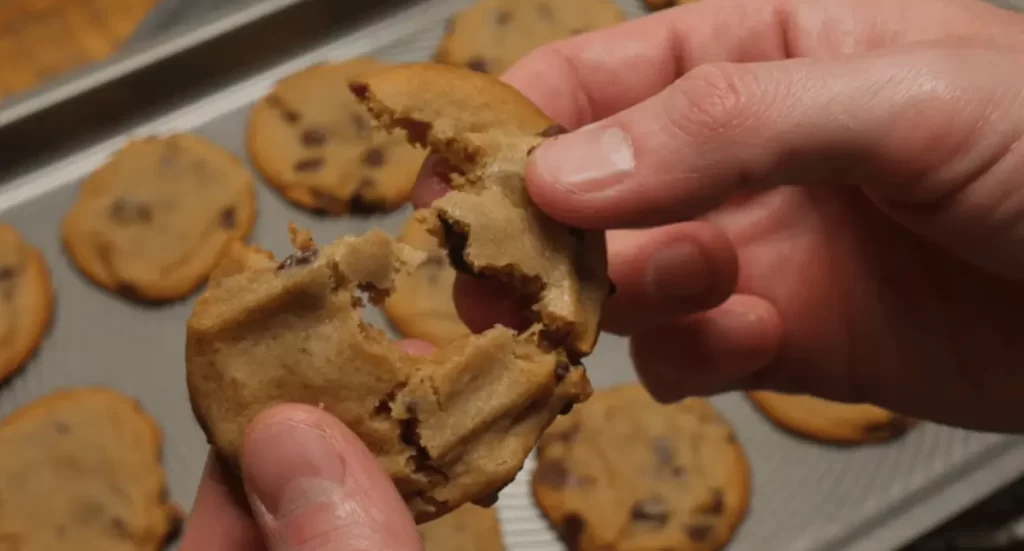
449,428
488,223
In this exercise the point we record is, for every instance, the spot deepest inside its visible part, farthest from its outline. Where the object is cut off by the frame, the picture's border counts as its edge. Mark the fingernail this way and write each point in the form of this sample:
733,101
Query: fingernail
593,159
283,460
677,272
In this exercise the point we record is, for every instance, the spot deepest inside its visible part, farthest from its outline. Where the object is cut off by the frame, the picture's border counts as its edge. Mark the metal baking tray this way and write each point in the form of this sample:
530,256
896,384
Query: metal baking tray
203,79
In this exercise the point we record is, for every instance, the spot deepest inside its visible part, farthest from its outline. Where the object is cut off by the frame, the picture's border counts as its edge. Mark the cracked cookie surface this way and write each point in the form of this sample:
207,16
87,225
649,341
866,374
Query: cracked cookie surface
315,144
450,428
625,472
468,528
155,220
80,470
828,421
487,222
491,35
421,307
26,301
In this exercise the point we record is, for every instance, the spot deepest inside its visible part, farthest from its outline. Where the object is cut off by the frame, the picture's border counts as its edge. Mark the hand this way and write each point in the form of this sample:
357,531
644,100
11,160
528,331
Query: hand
805,196
313,486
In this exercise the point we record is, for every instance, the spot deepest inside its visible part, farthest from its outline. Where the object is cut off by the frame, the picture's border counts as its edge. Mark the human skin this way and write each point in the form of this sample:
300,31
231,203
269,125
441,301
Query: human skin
804,196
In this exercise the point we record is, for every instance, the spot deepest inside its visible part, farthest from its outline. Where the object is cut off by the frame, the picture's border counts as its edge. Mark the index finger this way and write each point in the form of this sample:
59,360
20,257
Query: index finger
589,77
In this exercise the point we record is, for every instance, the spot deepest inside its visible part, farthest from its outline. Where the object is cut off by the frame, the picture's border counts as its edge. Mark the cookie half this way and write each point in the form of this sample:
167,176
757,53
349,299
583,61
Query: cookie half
80,470
155,220
316,144
491,35
26,301
421,307
827,421
625,472
468,528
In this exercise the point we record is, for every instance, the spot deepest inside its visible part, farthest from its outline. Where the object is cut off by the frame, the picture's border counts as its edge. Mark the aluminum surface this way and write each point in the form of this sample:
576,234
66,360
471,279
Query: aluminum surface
805,496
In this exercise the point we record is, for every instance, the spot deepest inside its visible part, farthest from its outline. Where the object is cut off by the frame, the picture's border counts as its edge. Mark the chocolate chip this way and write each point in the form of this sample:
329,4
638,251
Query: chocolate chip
374,157
650,511
544,11
891,428
128,210
477,64
552,474
314,137
311,164
456,242
697,532
562,369
7,273
360,89
502,18
416,130
298,258
571,530
228,218
61,428
553,130
717,504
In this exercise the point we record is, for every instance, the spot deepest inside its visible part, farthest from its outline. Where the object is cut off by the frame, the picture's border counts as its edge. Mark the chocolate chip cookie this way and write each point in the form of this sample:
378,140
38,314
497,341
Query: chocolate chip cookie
624,472
491,35
487,222
828,421
155,220
421,306
80,471
468,528
316,145
449,428
26,300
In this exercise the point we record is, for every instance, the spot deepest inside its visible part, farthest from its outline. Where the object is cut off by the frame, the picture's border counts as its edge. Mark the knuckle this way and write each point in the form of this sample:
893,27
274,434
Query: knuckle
711,99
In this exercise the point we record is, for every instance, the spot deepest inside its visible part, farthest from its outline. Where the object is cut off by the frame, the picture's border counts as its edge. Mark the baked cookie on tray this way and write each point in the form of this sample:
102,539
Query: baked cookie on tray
80,471
828,421
421,307
491,35
453,427
468,528
622,471
316,144
154,221
26,301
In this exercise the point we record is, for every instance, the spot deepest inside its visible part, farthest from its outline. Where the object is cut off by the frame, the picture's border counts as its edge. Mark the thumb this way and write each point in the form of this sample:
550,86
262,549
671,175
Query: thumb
928,131
313,486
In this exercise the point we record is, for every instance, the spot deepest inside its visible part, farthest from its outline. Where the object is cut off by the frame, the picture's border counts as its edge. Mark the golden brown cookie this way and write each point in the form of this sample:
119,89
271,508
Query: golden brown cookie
316,145
421,306
491,35
828,421
488,223
662,4
468,528
26,301
622,471
449,428
80,471
155,220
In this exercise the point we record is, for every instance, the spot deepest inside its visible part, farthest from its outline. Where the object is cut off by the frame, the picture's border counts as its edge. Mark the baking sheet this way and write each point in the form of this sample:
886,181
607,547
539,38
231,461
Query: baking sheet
805,496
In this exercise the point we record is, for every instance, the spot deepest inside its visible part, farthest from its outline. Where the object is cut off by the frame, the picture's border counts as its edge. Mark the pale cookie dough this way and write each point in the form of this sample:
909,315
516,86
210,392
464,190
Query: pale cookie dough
155,220
491,35
421,306
488,223
450,428
80,471
623,472
828,421
26,301
468,528
316,145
